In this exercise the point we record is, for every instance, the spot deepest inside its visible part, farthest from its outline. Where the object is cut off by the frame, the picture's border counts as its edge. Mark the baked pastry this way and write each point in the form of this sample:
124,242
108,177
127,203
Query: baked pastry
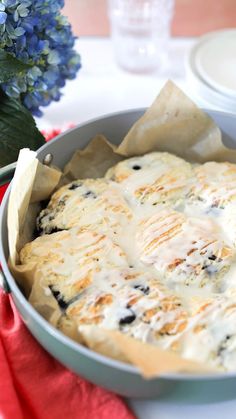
185,250
216,184
211,338
84,203
148,250
155,178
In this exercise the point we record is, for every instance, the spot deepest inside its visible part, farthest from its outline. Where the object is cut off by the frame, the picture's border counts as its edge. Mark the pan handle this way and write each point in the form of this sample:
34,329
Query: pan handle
3,282
6,173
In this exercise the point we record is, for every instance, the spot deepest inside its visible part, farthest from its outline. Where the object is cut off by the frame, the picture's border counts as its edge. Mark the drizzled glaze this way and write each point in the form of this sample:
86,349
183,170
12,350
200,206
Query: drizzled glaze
149,250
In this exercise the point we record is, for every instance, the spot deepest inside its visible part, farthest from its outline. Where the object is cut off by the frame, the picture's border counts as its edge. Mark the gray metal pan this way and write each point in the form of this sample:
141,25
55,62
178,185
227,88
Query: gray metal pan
113,375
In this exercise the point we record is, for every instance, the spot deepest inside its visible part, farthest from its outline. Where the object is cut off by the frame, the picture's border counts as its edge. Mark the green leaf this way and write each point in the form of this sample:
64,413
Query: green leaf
11,67
17,130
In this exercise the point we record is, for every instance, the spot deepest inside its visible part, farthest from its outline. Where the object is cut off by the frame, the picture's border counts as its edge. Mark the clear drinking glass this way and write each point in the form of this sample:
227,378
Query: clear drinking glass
140,31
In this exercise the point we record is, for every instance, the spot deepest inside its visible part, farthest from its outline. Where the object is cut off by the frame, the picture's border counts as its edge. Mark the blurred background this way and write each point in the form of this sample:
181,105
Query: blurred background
191,17
125,64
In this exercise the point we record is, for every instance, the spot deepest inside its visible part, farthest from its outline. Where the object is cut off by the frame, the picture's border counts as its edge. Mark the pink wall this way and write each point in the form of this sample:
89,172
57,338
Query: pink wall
192,17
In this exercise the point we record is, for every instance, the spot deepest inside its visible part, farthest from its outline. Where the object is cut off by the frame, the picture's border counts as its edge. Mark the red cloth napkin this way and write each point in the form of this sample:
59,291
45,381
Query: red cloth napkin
33,385
2,191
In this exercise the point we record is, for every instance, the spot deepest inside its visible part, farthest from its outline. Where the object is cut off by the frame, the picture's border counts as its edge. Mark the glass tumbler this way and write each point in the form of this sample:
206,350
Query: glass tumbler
140,31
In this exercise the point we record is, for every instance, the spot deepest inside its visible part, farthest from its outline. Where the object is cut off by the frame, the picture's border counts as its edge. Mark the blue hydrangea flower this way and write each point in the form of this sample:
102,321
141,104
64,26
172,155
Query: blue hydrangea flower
3,15
35,32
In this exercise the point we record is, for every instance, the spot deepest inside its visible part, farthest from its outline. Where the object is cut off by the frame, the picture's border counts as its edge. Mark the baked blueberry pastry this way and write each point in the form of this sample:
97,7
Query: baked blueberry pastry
148,250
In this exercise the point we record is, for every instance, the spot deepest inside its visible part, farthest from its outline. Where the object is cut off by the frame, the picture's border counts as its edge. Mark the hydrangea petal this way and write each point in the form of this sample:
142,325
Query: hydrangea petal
19,31
35,32
3,18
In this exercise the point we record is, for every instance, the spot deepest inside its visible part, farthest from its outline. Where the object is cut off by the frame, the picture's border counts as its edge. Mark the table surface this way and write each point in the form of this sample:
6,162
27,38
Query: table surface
101,88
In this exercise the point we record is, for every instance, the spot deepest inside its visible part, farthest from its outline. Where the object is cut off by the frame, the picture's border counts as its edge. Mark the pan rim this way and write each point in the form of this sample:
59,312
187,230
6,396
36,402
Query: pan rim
59,336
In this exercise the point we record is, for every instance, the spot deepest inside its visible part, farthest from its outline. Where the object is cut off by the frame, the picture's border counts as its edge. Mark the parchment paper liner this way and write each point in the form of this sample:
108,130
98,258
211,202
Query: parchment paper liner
173,123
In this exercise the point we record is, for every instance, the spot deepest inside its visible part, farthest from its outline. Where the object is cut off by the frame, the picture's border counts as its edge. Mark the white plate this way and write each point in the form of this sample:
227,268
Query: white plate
202,88
215,61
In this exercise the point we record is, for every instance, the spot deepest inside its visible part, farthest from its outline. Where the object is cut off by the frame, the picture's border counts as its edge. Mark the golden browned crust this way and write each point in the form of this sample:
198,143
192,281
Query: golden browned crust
146,251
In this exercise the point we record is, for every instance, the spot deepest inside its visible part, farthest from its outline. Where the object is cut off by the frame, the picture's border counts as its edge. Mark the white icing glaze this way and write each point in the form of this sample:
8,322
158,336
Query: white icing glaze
156,243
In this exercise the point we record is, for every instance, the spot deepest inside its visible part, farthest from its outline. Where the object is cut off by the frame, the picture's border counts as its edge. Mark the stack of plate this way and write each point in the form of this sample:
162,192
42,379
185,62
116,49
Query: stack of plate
211,70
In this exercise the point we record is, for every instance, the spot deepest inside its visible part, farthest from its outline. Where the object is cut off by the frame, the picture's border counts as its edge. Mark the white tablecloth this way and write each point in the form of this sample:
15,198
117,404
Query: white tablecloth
101,88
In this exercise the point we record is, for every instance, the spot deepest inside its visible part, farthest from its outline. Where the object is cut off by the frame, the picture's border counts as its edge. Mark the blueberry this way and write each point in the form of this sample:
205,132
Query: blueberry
53,230
223,345
127,320
217,205
143,288
90,194
74,186
57,295
61,204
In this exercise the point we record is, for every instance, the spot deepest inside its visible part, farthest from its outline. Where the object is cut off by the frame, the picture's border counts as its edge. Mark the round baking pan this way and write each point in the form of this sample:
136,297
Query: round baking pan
114,375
